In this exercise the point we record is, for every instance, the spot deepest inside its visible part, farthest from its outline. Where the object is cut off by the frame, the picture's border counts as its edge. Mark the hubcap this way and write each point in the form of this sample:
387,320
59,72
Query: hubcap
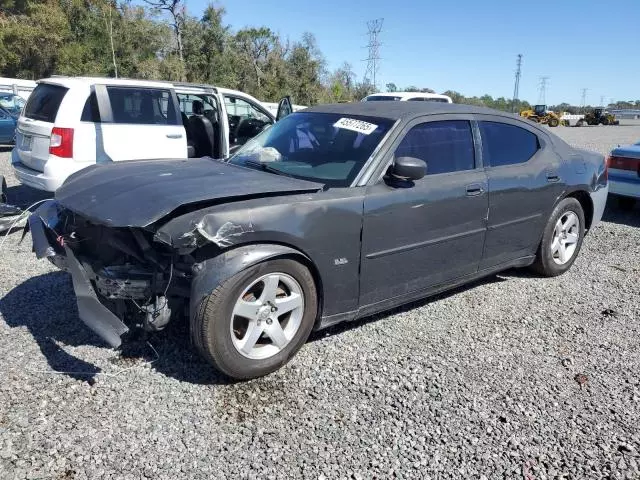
267,316
565,238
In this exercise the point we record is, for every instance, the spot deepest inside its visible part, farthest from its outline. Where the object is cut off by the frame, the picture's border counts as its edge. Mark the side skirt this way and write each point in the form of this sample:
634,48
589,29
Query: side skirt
390,303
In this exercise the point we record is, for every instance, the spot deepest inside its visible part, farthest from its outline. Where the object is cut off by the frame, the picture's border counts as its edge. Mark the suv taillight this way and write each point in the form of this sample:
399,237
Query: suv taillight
61,143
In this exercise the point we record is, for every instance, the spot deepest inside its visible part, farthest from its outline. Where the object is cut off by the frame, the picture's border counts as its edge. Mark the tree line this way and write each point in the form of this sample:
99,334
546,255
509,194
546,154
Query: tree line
160,39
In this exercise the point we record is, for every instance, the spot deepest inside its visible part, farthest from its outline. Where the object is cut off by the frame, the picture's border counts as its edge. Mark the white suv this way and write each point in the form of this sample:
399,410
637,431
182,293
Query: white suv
71,123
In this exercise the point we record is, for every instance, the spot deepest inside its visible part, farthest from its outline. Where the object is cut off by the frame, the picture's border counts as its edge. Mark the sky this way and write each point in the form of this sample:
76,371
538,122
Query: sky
470,46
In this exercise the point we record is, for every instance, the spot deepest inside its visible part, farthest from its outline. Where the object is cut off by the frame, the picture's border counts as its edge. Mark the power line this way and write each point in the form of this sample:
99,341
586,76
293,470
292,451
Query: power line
583,98
516,88
374,27
542,87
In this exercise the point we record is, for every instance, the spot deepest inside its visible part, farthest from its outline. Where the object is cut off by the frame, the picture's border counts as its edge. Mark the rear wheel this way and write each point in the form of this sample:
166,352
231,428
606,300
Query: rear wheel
254,322
561,240
553,122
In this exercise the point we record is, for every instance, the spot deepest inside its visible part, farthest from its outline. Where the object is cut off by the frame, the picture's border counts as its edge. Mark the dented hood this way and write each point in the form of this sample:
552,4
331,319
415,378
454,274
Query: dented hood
139,193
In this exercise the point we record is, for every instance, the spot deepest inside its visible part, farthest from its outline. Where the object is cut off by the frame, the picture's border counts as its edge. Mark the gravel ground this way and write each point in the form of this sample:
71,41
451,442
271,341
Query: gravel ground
513,377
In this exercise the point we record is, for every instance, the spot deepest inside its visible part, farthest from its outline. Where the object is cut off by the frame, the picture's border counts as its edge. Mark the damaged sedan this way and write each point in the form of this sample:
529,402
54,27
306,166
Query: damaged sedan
332,214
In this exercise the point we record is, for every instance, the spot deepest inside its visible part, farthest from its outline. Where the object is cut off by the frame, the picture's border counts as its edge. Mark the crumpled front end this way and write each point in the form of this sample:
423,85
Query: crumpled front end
120,279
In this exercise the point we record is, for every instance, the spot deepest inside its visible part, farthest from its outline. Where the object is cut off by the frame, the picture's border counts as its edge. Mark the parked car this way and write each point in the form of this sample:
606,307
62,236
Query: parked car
71,123
408,97
7,127
334,213
12,103
624,174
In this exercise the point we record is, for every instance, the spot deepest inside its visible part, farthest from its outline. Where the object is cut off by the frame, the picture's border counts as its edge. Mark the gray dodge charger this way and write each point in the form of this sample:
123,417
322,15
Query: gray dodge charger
332,214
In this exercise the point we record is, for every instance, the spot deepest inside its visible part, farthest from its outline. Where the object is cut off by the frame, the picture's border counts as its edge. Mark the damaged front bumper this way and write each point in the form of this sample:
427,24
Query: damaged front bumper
92,312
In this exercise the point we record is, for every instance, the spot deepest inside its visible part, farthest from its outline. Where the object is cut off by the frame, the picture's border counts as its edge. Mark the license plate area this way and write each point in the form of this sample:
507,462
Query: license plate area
25,142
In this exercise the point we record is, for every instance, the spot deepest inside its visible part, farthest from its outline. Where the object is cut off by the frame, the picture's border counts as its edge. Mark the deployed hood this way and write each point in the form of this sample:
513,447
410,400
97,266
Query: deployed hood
139,193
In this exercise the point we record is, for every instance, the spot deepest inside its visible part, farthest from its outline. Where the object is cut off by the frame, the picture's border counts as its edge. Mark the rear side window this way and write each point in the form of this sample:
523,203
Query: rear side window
144,106
91,113
446,146
44,102
504,144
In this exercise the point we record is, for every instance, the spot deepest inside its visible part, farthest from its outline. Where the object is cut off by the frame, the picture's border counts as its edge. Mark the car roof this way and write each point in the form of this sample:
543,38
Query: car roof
70,82
398,110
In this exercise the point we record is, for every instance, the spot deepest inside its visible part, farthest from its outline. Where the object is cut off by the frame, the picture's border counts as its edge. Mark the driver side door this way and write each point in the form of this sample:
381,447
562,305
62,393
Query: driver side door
246,120
426,233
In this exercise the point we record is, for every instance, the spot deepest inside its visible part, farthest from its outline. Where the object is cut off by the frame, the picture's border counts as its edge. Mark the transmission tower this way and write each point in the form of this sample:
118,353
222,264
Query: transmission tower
602,101
374,27
583,99
516,87
542,87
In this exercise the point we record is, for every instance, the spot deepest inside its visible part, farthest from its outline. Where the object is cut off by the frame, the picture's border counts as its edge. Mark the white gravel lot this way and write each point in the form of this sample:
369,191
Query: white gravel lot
513,377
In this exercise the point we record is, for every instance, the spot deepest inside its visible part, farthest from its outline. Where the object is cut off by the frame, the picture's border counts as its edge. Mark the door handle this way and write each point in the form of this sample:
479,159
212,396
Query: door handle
174,135
553,177
474,190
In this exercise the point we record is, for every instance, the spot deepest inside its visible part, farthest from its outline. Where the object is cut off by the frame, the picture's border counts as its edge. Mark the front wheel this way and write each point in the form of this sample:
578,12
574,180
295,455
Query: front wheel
254,322
561,240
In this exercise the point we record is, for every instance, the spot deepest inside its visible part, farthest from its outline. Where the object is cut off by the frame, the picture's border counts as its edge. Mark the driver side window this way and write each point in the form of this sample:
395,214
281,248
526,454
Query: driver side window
245,119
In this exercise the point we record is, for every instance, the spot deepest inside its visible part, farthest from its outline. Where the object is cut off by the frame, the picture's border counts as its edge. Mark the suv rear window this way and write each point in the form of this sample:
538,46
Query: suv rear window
144,106
44,102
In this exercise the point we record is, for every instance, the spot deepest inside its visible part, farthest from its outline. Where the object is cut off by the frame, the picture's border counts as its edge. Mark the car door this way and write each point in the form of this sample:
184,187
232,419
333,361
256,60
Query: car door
284,108
432,231
524,179
139,123
246,119
7,126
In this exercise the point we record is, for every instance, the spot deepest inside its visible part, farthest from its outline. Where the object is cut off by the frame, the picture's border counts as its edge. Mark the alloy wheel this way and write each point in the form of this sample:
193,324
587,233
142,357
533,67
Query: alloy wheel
565,238
267,315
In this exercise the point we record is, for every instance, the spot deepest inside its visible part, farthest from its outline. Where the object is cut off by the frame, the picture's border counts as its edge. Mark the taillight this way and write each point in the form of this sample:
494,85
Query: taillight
623,163
61,143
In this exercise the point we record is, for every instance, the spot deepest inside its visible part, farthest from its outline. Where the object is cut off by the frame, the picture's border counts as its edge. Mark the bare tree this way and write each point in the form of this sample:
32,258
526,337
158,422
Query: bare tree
177,11
106,9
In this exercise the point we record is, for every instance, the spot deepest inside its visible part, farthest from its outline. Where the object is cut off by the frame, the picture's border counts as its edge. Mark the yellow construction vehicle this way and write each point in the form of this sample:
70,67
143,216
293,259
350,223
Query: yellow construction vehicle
598,116
540,114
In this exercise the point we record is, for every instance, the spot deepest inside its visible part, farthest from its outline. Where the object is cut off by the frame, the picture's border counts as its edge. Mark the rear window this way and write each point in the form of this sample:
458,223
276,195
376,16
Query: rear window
145,106
504,144
381,98
44,102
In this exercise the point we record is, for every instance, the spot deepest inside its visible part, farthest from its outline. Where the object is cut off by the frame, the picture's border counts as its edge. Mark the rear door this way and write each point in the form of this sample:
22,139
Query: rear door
139,123
524,182
35,124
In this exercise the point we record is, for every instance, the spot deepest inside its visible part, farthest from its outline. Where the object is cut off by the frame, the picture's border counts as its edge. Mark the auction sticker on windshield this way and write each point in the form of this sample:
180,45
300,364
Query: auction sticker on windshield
355,125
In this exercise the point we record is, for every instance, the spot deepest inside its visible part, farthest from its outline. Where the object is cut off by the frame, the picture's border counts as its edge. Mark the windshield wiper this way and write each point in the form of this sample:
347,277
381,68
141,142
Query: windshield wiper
268,168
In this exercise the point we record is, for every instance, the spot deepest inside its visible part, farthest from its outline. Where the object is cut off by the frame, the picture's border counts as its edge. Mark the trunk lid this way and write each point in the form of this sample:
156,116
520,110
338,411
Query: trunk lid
139,193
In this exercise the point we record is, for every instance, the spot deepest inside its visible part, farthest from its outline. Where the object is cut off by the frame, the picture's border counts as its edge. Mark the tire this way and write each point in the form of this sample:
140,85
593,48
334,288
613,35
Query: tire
553,122
551,261
626,203
221,335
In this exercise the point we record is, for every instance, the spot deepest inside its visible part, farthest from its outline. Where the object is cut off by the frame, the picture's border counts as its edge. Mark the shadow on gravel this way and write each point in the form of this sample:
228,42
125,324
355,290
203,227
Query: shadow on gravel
5,148
615,214
46,306
346,326
24,196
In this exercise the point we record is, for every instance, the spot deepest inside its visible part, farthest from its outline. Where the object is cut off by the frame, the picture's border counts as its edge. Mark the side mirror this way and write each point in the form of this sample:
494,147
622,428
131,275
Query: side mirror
409,168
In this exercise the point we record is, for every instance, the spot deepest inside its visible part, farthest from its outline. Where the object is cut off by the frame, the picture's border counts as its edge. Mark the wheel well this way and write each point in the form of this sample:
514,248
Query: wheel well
587,205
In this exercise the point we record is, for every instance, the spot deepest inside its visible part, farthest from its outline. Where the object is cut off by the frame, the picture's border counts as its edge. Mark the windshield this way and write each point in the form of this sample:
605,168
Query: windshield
323,147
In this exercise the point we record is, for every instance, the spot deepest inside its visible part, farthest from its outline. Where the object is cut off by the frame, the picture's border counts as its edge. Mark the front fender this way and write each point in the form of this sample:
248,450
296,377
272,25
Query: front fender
212,272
